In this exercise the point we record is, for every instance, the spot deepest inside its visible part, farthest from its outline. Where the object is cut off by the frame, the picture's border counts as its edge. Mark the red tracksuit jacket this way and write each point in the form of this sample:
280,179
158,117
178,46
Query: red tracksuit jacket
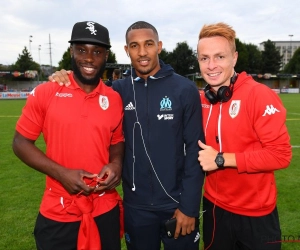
251,125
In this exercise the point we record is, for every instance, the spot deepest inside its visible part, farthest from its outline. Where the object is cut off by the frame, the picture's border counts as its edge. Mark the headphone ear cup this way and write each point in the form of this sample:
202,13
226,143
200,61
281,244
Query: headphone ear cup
224,93
210,96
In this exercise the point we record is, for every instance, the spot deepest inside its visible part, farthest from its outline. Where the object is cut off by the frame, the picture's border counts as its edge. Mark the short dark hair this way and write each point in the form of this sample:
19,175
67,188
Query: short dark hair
141,25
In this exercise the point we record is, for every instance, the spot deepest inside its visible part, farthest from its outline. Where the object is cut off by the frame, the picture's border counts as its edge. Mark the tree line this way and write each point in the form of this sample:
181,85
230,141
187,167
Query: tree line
250,59
184,60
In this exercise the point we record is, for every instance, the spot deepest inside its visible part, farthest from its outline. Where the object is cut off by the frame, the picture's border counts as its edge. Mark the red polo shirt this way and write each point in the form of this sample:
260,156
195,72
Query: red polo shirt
78,129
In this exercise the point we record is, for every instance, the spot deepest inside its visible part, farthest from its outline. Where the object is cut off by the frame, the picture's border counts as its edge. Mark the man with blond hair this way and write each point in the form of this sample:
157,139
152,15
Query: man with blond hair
246,141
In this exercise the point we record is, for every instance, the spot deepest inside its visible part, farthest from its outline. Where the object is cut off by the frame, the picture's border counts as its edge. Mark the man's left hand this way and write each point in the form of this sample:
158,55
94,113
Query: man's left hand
185,224
109,177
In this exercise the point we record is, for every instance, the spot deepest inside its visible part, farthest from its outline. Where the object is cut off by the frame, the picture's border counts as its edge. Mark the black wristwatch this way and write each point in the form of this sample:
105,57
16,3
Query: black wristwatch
220,160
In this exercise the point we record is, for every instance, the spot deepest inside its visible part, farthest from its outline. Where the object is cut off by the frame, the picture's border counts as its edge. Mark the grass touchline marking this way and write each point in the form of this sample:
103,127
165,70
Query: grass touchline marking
4,116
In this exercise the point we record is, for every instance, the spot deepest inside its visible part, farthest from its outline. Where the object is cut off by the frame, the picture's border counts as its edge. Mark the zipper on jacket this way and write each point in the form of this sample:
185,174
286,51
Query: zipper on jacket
216,127
148,146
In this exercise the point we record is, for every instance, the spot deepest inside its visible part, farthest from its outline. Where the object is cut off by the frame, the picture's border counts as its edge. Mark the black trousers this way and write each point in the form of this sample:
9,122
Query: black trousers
226,230
53,235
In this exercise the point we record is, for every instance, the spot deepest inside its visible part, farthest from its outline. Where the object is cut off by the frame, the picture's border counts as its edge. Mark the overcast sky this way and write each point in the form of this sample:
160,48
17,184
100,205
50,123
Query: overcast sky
254,21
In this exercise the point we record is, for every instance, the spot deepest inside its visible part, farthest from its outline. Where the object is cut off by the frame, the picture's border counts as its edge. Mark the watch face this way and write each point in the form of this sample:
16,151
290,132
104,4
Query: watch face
219,161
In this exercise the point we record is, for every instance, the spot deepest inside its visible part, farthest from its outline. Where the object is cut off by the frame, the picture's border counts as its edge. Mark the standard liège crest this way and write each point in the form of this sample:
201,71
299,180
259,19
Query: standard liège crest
234,108
103,101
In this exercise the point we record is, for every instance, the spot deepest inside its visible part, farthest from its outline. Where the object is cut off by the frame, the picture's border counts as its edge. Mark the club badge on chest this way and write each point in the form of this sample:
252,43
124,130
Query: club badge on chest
103,101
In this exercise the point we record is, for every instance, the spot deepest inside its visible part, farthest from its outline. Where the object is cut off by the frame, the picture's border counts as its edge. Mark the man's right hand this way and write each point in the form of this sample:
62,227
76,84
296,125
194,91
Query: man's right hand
77,181
61,77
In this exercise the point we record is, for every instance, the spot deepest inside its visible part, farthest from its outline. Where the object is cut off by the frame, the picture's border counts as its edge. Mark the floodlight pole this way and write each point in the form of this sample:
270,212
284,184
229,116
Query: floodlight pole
39,63
30,43
291,46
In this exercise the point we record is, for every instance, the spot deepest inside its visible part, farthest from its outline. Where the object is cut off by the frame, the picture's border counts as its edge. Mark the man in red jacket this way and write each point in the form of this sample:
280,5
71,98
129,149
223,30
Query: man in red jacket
82,129
246,141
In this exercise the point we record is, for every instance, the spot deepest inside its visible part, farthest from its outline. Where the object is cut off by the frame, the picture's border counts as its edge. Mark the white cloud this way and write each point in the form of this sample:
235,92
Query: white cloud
255,21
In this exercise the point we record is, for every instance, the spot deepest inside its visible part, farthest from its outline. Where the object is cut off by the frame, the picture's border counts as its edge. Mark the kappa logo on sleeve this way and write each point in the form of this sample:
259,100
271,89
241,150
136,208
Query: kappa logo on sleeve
270,110
32,92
